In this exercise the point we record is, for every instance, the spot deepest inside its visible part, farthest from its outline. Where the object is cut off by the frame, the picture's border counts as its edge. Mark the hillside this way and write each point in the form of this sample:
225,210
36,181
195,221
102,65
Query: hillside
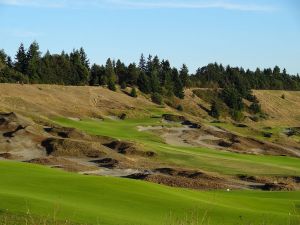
98,132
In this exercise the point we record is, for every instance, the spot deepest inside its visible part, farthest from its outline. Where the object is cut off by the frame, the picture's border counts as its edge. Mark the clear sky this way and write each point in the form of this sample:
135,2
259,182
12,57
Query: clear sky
253,33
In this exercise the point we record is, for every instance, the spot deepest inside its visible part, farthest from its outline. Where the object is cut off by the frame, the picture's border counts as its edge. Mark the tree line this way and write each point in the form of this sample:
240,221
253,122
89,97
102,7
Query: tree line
151,75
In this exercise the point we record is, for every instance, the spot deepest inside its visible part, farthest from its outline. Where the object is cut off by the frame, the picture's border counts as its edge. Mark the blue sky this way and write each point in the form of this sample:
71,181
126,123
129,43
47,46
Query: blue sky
244,33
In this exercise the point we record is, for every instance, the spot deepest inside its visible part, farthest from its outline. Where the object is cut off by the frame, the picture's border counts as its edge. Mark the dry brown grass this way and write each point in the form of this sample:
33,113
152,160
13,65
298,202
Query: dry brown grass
68,101
282,112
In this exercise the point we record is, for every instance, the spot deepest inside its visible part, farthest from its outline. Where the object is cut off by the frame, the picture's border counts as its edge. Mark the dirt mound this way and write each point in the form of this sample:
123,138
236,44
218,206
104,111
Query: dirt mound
72,133
173,118
62,163
75,148
20,137
182,178
254,146
6,155
106,162
278,187
184,182
128,148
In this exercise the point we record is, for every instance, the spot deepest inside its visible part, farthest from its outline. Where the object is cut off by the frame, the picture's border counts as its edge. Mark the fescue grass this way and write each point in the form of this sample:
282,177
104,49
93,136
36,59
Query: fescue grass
45,192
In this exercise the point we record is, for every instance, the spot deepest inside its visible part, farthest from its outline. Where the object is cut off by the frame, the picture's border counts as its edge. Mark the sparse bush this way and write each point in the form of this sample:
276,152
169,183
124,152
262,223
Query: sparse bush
237,115
123,116
179,108
252,98
255,108
123,85
111,85
133,93
157,98
214,111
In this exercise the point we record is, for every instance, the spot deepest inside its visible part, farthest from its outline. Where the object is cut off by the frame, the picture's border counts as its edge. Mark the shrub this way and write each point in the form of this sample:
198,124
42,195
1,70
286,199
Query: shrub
232,98
156,98
123,116
255,108
123,85
179,108
111,85
252,98
237,115
283,96
214,111
133,93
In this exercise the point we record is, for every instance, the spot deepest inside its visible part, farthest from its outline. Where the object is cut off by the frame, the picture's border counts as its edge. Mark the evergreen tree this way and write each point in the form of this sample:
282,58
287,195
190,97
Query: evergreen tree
154,82
144,83
142,64
110,71
111,85
132,74
21,60
214,110
79,70
95,75
120,71
232,98
34,62
184,75
178,86
84,59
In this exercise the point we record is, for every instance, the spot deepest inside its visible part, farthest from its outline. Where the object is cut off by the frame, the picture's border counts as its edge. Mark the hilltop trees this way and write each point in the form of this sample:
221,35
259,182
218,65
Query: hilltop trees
152,75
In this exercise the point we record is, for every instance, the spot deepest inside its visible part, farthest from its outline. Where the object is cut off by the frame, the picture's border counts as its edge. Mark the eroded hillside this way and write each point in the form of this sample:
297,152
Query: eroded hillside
92,130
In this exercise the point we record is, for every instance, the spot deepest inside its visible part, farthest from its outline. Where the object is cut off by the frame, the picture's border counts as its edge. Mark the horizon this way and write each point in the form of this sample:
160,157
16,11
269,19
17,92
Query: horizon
248,34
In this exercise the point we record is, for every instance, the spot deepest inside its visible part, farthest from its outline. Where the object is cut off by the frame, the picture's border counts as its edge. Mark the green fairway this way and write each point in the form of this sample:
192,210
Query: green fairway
202,158
104,200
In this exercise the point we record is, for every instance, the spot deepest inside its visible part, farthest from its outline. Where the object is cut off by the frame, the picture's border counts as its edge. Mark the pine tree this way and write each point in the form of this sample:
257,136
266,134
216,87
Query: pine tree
214,110
79,71
184,75
142,64
154,82
144,83
178,86
110,71
132,74
94,75
111,85
34,62
21,63
84,59
120,71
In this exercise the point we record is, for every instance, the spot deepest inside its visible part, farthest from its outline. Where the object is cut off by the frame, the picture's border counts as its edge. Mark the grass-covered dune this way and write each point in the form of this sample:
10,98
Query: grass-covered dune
27,188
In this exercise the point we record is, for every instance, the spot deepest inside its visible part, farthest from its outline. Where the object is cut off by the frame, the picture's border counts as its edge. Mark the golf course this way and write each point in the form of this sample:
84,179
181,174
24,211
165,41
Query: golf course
30,191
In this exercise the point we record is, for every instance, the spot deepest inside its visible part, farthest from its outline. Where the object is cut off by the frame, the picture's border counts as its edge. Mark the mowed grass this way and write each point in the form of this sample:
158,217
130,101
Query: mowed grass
203,158
44,192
